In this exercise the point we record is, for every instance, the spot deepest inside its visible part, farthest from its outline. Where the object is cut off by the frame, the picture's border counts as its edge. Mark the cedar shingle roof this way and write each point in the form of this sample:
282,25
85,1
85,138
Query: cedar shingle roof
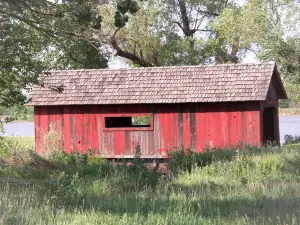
180,84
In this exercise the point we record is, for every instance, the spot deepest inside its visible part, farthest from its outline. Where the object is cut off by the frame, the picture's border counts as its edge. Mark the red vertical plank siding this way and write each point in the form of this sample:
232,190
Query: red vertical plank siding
217,134
78,130
192,125
157,135
230,129
119,142
235,131
186,129
200,128
59,129
223,129
101,133
93,130
209,121
37,133
164,135
43,129
86,140
67,129
173,123
108,139
134,141
256,128
245,128
52,126
261,121
252,132
53,130
239,128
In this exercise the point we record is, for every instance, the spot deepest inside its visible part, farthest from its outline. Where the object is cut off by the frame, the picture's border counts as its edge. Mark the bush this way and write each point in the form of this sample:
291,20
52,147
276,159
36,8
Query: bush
290,139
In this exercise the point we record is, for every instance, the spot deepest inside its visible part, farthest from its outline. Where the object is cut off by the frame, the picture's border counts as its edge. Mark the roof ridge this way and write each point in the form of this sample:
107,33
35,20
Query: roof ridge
163,67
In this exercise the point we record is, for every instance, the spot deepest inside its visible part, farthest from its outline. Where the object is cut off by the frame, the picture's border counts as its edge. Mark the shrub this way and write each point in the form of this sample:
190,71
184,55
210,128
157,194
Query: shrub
290,139
6,147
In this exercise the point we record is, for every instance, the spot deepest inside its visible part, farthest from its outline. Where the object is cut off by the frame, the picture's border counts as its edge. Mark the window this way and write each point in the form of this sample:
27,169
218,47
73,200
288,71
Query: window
128,122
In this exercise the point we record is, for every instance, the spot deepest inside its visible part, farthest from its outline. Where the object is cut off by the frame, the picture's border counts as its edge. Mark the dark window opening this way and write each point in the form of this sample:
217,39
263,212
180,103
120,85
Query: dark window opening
127,121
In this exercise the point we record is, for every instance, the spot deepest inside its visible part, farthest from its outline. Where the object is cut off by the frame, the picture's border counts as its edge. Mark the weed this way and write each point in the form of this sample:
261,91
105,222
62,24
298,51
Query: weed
249,186
188,159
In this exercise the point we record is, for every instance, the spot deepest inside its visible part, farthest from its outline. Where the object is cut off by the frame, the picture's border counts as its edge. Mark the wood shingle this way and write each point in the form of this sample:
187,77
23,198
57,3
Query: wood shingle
180,84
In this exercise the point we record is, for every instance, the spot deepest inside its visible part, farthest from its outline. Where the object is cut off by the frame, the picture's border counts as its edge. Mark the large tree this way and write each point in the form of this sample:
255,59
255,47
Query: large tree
153,32
26,49
147,33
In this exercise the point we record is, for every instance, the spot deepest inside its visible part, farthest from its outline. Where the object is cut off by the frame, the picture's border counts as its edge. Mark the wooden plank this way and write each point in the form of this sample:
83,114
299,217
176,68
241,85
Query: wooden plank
43,128
93,127
193,122
158,141
186,128
119,142
180,127
67,130
37,133
200,127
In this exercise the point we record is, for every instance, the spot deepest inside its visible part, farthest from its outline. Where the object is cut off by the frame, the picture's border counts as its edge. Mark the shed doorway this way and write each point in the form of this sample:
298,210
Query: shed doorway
269,126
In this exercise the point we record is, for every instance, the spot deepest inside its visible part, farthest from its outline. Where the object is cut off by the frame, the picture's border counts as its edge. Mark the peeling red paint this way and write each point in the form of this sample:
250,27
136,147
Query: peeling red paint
191,125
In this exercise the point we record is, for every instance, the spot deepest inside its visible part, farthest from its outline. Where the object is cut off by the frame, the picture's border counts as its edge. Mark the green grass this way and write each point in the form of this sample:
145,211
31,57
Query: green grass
261,186
22,142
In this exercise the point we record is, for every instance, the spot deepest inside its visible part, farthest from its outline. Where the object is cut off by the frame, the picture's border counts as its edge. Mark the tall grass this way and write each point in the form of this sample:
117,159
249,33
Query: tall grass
255,186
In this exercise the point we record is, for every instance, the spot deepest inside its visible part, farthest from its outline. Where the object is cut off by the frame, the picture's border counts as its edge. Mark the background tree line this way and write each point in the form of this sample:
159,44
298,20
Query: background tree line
38,35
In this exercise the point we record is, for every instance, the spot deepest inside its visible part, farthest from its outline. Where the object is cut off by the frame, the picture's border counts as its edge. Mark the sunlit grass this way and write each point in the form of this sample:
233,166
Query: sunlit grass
22,142
261,187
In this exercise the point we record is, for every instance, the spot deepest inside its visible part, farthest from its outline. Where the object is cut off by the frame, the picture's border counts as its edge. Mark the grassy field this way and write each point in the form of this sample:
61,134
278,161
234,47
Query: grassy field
258,186
22,142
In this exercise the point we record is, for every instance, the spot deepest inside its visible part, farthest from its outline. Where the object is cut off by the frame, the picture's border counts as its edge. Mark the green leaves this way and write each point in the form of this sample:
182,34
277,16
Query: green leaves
120,19
243,26
124,7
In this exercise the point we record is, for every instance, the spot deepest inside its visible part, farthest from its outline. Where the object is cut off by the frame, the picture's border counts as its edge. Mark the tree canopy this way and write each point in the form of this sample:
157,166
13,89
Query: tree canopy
66,34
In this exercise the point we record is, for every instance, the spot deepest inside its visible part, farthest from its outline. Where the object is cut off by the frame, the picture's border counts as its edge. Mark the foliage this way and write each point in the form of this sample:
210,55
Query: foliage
241,27
41,35
153,33
141,120
293,93
290,139
28,51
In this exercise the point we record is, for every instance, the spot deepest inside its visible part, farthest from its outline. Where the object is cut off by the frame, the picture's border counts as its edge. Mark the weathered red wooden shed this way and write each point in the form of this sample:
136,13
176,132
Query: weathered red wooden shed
159,108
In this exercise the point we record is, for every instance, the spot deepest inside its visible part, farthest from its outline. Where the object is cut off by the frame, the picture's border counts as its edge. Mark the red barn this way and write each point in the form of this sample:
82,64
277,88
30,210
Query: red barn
158,108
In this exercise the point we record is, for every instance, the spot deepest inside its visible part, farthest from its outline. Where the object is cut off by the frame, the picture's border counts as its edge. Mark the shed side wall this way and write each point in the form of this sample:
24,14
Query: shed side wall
199,126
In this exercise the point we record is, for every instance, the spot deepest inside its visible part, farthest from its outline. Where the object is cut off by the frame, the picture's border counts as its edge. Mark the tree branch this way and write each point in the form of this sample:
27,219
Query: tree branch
125,54
185,20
